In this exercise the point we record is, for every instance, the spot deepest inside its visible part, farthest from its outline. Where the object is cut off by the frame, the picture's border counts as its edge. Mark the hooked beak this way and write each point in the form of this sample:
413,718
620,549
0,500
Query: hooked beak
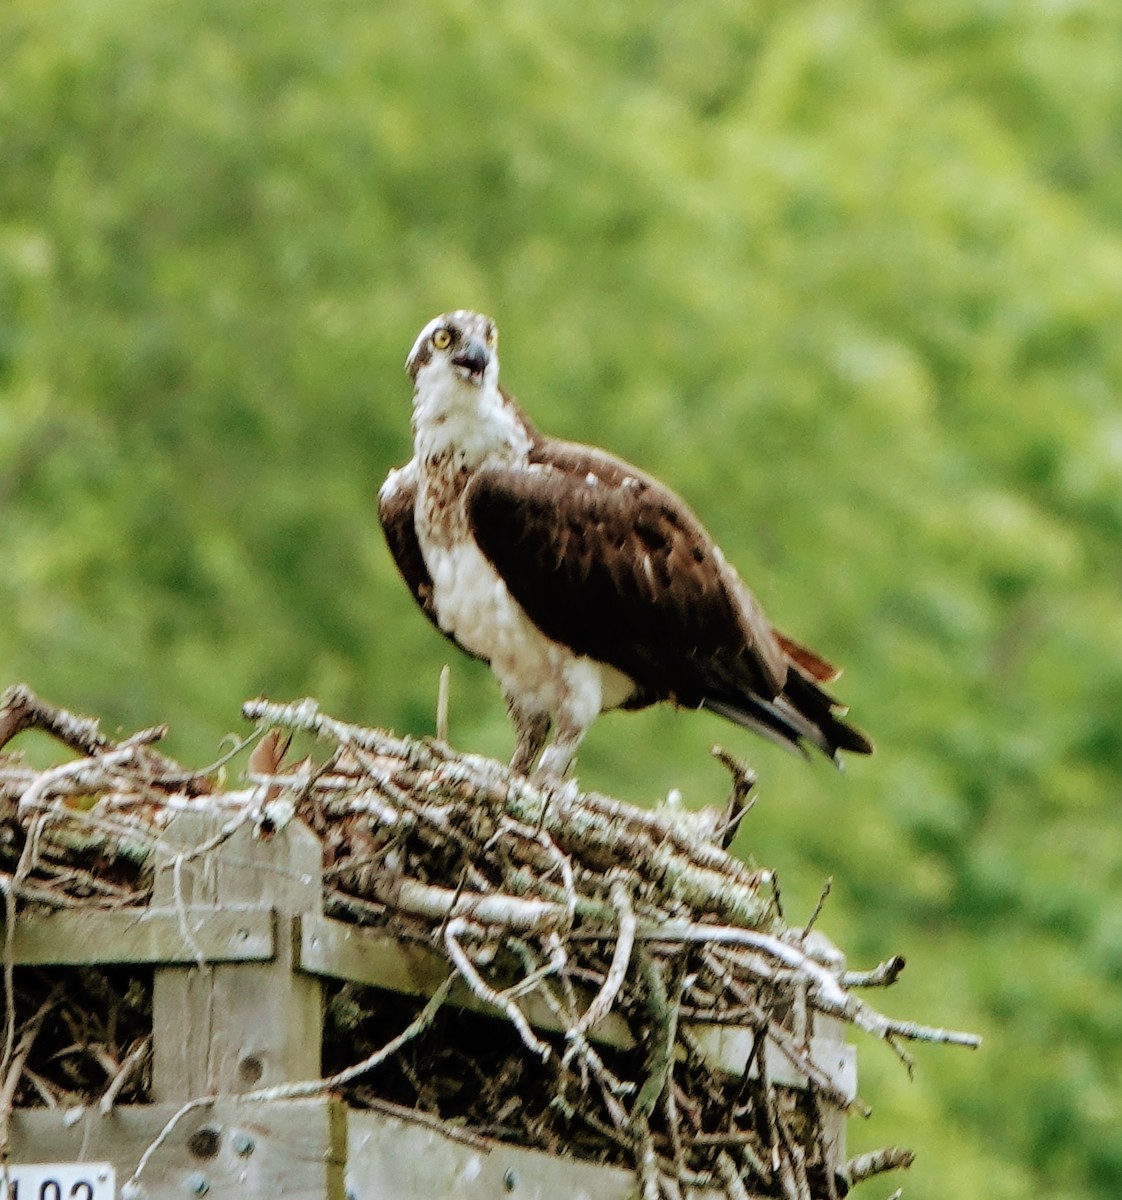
471,361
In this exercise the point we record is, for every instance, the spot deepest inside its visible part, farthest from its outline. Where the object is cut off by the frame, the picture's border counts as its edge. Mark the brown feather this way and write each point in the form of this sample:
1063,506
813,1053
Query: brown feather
396,512
813,664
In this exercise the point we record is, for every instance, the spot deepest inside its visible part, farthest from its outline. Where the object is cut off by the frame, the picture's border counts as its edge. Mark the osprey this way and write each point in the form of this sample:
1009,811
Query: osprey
584,583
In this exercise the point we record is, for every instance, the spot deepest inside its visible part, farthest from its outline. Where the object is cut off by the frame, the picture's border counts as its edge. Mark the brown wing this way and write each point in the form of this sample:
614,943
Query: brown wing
396,503
609,562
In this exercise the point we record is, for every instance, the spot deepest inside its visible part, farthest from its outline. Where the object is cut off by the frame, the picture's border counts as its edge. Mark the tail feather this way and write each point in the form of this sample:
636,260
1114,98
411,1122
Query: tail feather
762,717
812,663
801,713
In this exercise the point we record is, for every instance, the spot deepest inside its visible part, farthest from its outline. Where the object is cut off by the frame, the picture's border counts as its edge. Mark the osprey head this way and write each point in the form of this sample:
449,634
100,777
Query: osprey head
456,346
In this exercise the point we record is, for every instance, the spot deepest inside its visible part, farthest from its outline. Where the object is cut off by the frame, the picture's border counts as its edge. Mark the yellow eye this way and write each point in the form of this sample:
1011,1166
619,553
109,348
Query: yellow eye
442,339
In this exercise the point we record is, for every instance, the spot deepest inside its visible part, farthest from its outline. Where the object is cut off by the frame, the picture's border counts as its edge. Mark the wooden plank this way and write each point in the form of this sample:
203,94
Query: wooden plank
306,1150
291,1148
729,1047
338,950
392,1158
73,937
369,956
233,1027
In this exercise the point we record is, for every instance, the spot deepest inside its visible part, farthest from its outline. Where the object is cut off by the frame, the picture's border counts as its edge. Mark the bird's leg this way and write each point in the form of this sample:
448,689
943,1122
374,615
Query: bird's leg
532,729
558,758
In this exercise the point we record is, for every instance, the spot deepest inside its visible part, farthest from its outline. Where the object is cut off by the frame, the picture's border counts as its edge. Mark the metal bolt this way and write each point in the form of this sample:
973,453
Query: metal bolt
510,1180
242,1143
197,1183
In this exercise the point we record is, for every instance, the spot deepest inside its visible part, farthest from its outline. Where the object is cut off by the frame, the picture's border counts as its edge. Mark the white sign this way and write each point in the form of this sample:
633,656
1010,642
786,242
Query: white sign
61,1181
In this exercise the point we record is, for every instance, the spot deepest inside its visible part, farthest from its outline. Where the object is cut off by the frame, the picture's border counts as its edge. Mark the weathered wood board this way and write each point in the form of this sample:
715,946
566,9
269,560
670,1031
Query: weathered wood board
240,1025
392,1158
206,933
294,1149
307,1150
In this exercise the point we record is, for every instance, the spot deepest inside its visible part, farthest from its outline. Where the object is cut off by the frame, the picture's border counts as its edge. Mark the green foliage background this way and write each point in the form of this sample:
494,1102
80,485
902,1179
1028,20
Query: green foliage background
848,274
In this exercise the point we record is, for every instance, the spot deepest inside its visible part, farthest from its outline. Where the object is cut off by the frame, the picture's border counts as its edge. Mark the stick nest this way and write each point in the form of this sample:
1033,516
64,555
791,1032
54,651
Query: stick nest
632,933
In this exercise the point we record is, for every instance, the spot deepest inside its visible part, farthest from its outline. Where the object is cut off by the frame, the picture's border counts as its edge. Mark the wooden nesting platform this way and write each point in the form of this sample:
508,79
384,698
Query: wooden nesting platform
402,972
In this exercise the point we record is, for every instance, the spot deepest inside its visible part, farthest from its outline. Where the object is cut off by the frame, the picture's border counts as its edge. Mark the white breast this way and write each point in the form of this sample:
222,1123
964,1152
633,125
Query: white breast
473,604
